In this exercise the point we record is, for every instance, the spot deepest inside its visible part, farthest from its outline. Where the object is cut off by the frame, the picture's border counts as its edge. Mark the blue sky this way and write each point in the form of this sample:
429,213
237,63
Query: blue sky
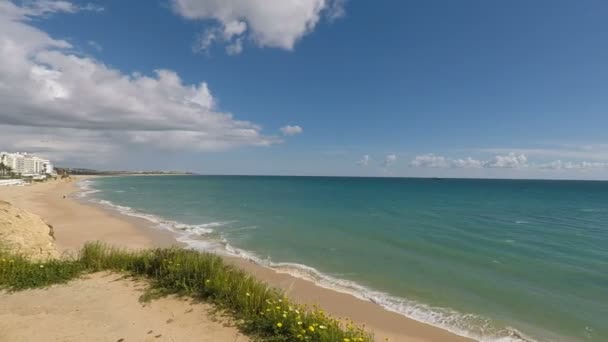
385,88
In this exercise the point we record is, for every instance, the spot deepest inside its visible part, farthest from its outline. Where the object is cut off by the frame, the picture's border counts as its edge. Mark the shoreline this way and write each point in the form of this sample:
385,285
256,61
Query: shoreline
68,215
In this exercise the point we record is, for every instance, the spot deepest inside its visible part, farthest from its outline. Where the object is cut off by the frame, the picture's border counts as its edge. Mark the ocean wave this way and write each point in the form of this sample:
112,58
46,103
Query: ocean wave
467,325
86,187
591,210
204,237
188,230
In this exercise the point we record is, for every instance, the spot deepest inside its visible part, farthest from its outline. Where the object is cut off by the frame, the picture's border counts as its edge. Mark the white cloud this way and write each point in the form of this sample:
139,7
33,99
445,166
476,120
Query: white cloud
268,23
509,161
337,9
235,47
36,8
467,162
95,45
84,147
568,165
364,160
291,130
429,160
593,151
46,87
389,160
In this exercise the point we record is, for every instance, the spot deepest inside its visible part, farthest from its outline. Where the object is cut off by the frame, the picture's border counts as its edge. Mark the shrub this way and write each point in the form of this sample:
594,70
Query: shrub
260,310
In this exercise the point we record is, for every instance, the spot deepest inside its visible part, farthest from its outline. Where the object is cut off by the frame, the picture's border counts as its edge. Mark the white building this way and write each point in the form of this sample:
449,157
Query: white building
26,164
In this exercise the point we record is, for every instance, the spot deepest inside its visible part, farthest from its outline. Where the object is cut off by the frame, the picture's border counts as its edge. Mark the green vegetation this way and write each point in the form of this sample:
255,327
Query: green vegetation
260,311
6,171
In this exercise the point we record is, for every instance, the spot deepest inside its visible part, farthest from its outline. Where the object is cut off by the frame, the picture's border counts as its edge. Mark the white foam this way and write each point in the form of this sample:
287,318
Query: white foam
203,237
591,210
183,230
86,188
467,325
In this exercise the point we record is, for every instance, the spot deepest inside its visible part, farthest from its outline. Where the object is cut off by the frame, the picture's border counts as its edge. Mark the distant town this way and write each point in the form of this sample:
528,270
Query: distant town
21,164
83,171
17,168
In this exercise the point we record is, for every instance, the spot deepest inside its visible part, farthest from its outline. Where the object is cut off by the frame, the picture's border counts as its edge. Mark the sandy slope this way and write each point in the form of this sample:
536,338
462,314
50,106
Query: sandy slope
25,233
104,307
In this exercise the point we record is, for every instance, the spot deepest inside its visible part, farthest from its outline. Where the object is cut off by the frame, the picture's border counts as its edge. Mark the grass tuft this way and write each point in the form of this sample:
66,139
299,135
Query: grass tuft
261,311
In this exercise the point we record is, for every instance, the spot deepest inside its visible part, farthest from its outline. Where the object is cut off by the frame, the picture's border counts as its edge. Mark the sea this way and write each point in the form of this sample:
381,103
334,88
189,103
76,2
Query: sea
494,260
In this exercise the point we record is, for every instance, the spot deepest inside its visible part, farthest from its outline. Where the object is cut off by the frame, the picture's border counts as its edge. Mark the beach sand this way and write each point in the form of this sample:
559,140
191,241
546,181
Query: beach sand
104,307
76,222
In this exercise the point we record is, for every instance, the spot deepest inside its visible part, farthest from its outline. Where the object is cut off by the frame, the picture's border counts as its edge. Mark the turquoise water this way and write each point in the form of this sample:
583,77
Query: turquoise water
497,260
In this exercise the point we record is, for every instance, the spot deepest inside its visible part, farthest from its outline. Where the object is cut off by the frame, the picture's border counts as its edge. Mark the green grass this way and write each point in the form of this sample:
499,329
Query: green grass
260,311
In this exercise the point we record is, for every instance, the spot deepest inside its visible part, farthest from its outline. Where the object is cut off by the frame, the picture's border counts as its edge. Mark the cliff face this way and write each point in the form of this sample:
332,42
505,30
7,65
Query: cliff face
24,233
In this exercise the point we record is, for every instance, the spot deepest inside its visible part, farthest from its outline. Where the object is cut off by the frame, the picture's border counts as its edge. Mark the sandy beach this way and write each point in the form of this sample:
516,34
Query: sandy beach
76,222
105,307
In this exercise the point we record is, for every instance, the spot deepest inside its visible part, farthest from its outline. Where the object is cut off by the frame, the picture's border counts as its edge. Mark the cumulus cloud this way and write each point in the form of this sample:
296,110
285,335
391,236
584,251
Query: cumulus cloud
44,85
510,160
389,160
268,23
39,8
587,151
568,165
429,160
291,130
467,162
83,147
364,160
506,161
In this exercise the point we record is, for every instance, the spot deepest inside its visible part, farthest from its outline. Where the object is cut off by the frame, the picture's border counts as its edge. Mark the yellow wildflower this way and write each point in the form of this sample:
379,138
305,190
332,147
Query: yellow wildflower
311,328
279,324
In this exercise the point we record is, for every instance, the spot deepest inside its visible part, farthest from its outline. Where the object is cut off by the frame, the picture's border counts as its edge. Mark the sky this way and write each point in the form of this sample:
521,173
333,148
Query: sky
413,88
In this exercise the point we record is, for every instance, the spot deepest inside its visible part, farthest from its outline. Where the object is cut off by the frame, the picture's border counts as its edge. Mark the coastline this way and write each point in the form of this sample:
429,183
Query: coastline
68,215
